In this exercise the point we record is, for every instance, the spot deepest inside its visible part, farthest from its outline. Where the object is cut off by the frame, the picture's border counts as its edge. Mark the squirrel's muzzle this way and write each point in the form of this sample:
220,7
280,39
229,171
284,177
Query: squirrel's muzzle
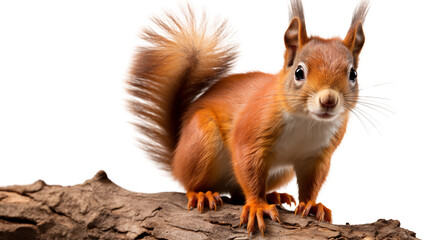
328,98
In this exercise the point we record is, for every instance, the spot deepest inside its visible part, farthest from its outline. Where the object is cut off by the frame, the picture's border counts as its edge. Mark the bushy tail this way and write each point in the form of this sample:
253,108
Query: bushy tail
182,59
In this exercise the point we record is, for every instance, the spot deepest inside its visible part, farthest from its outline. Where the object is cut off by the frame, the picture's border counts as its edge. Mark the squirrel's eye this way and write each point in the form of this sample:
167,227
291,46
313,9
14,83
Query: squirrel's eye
299,73
353,75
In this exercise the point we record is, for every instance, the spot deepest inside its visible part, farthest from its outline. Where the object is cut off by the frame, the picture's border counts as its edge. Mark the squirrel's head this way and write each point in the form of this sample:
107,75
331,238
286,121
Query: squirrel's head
321,74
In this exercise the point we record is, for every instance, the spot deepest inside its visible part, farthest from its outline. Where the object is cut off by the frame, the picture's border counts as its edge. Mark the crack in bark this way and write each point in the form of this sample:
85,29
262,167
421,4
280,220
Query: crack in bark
19,220
117,208
64,215
114,229
156,210
292,226
145,234
191,230
338,237
154,213
232,227
149,233
222,223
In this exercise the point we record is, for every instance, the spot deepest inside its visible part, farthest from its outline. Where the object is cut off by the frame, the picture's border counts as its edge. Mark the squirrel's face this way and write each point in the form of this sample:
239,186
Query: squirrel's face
322,82
321,77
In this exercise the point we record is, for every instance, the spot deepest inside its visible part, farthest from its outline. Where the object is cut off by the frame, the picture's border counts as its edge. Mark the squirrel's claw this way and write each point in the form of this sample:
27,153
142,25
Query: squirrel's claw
255,212
198,200
321,212
280,198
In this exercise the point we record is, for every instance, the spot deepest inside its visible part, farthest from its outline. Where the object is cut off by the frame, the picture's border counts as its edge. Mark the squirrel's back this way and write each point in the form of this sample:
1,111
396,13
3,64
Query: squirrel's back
181,59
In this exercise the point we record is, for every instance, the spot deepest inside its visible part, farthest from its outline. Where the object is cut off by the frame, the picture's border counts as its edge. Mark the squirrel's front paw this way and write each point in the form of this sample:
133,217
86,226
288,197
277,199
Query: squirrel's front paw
257,211
321,212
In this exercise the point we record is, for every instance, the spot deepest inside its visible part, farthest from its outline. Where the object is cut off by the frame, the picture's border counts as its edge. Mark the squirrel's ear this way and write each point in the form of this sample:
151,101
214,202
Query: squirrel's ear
295,38
355,39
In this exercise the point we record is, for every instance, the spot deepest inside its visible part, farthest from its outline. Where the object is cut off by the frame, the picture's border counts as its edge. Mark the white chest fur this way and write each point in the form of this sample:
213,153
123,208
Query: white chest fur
302,137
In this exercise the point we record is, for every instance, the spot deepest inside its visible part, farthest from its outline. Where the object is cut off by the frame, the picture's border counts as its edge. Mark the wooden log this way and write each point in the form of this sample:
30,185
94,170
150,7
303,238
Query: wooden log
100,209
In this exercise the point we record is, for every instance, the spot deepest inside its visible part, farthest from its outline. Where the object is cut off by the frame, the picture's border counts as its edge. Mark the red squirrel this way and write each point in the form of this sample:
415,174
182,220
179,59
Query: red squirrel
245,134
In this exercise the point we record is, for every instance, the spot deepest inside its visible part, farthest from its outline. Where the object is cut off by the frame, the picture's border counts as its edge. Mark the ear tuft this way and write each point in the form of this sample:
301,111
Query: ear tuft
292,33
355,37
359,39
295,38
296,34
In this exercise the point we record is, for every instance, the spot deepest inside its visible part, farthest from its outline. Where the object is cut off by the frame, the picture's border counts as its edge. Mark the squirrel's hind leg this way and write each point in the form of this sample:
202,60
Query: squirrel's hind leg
277,180
197,160
280,198
201,199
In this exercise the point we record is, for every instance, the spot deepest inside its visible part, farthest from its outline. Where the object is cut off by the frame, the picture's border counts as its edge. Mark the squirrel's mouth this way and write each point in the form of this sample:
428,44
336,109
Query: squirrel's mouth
324,115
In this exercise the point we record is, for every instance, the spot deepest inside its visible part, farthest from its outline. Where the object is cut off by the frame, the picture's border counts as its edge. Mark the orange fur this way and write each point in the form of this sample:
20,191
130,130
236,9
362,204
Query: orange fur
226,134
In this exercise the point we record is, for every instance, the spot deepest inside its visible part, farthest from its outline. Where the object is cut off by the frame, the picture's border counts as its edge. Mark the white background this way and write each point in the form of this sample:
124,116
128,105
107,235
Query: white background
63,116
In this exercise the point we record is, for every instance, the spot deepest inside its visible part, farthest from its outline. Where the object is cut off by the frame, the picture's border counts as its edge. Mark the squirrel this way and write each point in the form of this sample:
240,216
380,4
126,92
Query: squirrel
251,133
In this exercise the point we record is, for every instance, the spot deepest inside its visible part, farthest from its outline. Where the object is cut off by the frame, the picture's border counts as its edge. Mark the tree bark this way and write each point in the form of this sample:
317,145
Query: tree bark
99,209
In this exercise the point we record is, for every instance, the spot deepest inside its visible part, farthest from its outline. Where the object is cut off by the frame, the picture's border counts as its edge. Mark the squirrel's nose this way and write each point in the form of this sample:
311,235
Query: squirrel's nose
328,99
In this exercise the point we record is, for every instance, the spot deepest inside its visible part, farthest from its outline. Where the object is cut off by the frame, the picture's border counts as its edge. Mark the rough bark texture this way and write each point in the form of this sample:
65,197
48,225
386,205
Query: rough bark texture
99,209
